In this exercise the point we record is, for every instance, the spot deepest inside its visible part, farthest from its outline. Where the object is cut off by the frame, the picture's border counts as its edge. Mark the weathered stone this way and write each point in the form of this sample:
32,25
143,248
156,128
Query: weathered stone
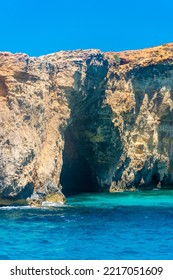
86,119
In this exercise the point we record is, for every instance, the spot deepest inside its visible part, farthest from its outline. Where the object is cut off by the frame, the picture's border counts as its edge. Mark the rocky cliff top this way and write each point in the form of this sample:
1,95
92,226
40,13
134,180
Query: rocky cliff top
146,56
130,58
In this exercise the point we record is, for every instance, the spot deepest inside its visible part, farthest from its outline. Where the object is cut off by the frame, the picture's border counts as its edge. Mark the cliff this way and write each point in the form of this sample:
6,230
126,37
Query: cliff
85,121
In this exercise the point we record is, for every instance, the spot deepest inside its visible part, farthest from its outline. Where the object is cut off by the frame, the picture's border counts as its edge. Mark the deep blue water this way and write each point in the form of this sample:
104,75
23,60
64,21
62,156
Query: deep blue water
135,225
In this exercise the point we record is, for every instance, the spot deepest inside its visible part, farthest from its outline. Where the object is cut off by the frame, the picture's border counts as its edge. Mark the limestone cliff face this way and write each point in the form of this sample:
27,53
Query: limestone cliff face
85,120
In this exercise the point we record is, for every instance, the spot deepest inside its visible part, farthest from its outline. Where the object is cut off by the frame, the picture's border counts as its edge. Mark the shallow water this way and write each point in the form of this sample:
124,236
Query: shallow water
136,225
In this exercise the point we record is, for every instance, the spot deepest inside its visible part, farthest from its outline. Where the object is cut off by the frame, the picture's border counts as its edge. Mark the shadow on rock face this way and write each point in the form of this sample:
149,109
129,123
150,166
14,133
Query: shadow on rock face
89,151
3,88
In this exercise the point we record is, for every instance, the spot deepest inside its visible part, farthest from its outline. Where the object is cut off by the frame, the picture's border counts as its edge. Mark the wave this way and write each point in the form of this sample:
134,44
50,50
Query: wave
15,207
44,205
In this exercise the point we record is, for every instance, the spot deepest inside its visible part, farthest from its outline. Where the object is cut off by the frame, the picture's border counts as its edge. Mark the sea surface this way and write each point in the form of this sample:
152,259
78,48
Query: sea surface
136,225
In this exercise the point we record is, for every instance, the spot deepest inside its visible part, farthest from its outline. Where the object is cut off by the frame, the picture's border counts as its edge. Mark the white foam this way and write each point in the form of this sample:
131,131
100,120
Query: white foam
15,207
52,204
44,205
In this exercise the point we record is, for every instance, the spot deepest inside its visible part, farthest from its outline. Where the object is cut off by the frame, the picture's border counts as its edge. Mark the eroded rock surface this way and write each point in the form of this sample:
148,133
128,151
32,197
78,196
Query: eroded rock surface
85,120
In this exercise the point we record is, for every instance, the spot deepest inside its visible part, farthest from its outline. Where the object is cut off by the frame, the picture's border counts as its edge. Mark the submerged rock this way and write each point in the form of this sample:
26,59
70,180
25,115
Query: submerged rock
87,120
52,199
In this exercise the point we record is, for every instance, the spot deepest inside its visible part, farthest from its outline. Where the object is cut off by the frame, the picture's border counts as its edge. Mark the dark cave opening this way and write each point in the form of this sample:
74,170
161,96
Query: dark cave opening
76,174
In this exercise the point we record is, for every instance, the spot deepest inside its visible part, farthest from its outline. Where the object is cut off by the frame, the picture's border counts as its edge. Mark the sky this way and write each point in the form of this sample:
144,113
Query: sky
40,27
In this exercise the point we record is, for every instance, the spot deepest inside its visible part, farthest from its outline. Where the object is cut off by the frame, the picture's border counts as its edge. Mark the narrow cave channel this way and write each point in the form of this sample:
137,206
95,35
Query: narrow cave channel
76,175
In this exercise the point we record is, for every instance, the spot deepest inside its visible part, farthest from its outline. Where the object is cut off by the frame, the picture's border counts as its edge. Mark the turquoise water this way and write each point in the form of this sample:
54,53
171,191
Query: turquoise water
136,225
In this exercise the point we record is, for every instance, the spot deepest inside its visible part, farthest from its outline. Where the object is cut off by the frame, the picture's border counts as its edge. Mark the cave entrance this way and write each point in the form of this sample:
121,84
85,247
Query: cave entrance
76,175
